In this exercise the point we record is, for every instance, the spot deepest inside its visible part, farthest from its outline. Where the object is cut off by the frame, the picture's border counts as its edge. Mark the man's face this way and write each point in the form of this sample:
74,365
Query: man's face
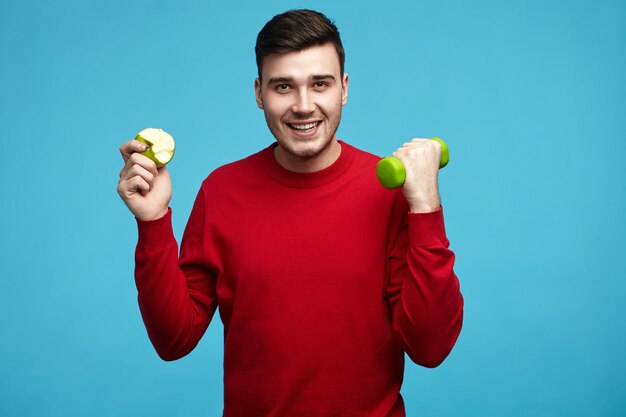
301,94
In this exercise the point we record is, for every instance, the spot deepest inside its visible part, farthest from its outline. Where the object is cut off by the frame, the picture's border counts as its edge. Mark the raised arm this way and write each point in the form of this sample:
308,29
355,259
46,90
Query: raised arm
176,295
423,289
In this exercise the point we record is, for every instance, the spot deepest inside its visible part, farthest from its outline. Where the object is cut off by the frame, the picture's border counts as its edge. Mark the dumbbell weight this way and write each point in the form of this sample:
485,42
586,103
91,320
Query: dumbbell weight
391,172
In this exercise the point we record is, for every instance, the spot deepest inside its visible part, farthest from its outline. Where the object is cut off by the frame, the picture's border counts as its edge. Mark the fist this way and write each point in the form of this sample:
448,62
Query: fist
145,189
421,158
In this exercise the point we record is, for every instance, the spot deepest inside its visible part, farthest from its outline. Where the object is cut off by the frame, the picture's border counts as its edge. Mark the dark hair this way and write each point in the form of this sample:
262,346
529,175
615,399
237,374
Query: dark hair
296,30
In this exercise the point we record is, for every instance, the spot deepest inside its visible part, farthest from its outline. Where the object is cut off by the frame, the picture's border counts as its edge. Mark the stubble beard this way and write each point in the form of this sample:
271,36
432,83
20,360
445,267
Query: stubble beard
310,151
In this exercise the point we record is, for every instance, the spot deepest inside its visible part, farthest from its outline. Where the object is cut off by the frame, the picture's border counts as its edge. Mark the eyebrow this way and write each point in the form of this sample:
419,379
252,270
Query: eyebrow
323,77
277,80
317,77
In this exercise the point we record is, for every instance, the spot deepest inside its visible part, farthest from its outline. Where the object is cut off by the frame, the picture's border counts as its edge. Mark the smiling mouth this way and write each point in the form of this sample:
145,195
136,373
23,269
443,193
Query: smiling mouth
303,127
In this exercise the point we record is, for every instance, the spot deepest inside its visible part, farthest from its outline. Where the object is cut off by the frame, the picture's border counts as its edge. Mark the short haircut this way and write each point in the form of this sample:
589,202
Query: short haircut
296,30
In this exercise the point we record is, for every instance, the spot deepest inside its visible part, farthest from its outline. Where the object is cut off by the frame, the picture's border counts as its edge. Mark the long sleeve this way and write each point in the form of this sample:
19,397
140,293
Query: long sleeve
424,292
177,296
296,262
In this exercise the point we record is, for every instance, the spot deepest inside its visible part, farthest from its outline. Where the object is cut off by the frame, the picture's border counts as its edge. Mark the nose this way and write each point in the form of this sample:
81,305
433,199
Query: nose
303,103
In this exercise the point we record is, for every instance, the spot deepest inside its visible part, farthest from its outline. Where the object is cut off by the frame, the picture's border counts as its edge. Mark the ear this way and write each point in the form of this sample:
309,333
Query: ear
257,92
344,89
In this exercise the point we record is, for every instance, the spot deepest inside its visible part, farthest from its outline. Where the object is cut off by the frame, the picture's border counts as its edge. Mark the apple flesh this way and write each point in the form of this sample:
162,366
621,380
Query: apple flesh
161,145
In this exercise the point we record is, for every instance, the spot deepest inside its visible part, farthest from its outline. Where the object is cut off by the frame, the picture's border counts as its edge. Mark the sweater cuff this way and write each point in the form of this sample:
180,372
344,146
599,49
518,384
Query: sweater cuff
427,229
157,232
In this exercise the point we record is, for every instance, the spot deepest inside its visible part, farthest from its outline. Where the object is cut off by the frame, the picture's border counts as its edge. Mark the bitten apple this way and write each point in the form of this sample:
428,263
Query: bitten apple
161,145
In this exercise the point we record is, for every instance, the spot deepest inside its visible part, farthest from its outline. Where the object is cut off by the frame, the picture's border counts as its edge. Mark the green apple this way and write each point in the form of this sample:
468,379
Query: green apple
161,145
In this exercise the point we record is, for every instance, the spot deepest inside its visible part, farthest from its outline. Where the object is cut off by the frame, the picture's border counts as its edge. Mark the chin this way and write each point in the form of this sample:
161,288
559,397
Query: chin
306,150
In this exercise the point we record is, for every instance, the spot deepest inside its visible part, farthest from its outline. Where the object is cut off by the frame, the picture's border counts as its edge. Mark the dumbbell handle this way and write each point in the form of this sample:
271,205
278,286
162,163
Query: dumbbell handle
391,172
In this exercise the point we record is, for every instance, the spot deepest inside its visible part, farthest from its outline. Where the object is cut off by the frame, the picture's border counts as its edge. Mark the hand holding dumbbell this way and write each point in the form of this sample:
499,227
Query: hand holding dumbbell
392,174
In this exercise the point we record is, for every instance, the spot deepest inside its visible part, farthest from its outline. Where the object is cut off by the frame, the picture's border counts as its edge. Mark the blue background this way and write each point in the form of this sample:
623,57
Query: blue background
530,95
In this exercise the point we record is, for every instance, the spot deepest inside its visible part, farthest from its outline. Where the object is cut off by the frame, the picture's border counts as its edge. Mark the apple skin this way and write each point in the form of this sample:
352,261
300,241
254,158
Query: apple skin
150,153
392,174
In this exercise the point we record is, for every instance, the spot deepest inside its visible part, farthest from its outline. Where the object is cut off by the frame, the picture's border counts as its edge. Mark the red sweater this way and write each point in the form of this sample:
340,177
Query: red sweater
323,281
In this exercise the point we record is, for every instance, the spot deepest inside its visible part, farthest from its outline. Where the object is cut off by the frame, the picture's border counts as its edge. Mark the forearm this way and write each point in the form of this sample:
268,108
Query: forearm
428,312
175,303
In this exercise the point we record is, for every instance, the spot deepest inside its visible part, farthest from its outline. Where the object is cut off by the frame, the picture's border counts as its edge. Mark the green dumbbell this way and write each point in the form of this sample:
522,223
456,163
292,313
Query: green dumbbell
391,172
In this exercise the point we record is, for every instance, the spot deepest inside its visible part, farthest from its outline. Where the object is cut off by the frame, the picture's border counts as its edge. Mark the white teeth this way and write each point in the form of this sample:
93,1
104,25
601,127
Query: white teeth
306,126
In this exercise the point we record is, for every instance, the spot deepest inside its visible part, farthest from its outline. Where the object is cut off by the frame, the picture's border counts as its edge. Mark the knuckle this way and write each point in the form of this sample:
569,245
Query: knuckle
125,148
131,170
135,157
122,188
138,157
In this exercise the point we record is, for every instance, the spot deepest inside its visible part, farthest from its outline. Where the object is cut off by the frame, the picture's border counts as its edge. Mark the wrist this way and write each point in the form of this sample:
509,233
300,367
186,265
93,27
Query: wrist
424,207
423,197
148,217
424,202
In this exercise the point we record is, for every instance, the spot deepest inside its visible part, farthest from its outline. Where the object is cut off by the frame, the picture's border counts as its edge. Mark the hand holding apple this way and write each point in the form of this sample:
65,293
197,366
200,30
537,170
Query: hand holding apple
144,184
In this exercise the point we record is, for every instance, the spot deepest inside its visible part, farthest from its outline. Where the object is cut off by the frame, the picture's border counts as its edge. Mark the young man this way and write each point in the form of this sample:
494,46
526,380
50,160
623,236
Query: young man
323,278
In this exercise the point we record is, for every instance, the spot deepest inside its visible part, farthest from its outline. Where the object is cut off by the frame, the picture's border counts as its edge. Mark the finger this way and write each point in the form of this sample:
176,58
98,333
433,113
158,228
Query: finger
137,170
143,161
409,152
127,188
400,154
162,170
130,147
411,143
138,184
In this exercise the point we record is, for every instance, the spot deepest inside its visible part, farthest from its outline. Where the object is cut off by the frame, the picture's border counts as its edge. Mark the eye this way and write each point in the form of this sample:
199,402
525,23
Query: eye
320,85
282,88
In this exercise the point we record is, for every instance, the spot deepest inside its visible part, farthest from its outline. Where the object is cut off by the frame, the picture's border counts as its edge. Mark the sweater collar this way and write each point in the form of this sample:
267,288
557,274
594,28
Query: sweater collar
307,179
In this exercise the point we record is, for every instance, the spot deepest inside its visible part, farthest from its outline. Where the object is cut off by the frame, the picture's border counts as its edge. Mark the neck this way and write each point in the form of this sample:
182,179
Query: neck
322,160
